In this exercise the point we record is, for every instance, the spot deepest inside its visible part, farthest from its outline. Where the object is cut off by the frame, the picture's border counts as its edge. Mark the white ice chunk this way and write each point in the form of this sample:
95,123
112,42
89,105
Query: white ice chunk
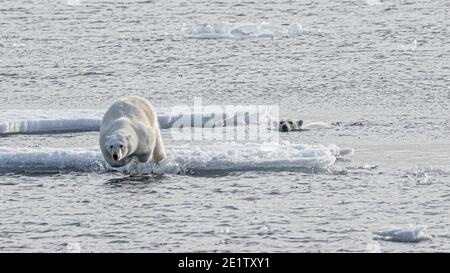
221,30
411,233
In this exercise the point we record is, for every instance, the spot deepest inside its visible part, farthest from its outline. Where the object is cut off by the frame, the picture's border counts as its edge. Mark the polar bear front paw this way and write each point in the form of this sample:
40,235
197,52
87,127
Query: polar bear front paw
132,168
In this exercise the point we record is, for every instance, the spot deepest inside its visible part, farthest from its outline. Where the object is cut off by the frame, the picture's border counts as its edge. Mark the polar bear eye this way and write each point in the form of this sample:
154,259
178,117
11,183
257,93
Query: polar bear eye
112,146
121,146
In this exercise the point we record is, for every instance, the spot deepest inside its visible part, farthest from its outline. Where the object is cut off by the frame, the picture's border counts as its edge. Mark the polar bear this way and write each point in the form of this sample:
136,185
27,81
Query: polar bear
129,130
287,125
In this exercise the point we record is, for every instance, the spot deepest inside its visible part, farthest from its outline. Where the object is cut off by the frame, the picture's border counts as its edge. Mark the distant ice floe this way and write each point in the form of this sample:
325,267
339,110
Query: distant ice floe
408,234
186,158
48,121
84,120
221,30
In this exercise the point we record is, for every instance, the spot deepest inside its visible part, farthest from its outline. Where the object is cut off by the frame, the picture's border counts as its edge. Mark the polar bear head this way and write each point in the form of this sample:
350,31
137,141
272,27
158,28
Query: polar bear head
290,125
118,146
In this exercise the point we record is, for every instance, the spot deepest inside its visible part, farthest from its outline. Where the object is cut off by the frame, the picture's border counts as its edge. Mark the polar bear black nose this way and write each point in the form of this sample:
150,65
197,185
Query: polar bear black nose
115,156
284,128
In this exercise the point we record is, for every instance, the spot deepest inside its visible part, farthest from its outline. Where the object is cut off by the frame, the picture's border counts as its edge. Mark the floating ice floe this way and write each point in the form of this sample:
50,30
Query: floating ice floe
48,121
84,120
181,159
408,234
221,30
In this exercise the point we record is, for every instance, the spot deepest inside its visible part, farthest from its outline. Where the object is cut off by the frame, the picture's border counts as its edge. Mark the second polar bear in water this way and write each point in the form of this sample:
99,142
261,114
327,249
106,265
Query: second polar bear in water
130,129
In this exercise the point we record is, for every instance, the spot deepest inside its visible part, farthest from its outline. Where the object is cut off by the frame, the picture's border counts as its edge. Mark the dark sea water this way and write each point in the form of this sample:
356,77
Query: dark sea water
378,70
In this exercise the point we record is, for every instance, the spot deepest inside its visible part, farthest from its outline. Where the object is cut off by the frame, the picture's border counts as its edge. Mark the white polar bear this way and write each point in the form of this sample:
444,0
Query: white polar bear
129,130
